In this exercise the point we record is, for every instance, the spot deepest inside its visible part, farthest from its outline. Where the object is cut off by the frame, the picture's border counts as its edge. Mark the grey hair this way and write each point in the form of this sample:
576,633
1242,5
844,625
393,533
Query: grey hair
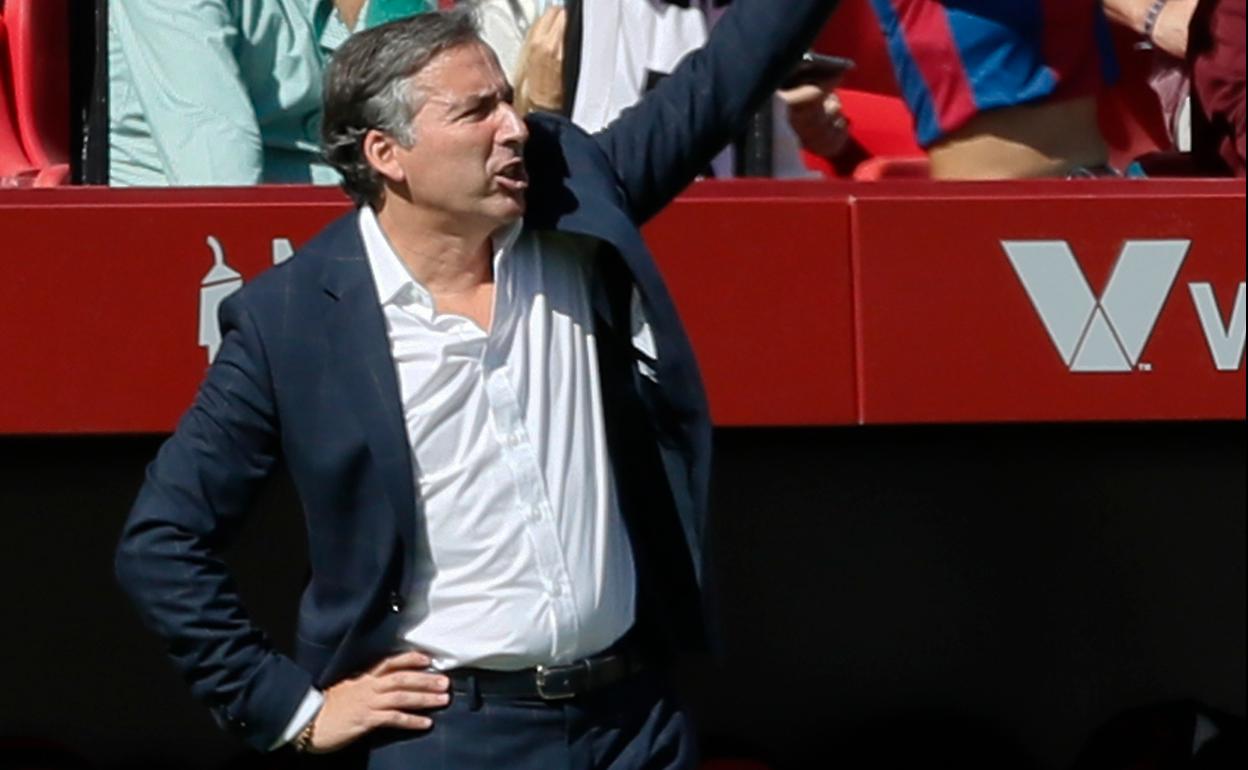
368,85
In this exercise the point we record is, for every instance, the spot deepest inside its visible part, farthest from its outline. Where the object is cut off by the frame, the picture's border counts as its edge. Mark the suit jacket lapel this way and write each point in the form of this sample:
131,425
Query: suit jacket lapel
365,368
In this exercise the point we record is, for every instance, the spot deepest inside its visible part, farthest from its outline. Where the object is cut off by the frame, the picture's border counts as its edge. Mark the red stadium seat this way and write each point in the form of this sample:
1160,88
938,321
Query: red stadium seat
875,169
15,167
38,62
53,176
880,123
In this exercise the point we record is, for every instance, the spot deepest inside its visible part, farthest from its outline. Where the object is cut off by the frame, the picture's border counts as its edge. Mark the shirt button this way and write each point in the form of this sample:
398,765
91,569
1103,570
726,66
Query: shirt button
535,515
396,602
556,590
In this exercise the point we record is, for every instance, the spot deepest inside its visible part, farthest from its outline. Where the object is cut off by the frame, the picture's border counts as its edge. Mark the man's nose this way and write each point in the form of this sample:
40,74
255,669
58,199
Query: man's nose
512,129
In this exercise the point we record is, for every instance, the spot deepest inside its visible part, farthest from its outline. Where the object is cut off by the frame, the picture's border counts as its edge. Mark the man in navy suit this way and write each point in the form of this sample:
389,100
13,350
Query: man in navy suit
493,418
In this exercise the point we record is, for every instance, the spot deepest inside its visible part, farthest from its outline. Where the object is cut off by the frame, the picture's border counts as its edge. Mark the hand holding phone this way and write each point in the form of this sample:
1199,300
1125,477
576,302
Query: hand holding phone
818,70
814,110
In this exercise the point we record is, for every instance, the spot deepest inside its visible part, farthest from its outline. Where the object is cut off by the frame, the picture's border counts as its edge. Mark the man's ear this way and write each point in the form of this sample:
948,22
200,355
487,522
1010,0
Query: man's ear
381,152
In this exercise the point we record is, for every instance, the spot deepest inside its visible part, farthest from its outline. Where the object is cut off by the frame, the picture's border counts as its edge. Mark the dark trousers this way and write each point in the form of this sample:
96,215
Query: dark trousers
632,725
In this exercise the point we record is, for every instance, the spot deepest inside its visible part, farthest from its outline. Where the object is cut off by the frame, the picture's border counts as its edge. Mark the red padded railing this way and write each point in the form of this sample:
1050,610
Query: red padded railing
808,303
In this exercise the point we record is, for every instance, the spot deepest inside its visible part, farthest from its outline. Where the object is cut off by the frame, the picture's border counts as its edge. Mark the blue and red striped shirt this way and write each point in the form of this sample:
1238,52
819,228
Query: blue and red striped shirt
956,58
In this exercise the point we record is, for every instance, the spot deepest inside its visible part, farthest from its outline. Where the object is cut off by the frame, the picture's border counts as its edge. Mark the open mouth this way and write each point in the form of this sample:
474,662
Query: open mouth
512,176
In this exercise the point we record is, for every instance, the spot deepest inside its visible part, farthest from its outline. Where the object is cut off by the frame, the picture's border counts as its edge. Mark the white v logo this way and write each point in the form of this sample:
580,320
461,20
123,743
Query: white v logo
1226,345
1090,334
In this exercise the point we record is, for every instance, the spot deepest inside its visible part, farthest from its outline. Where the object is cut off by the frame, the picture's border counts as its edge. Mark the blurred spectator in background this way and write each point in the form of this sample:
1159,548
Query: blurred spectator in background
614,51
1200,54
225,92
527,36
1003,90
506,24
1215,51
1163,26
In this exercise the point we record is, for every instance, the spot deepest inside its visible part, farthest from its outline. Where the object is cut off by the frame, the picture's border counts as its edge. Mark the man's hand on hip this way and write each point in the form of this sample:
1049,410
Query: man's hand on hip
384,696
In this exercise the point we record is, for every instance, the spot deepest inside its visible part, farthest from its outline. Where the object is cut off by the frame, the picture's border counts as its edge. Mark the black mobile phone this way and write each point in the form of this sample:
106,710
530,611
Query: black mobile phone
818,69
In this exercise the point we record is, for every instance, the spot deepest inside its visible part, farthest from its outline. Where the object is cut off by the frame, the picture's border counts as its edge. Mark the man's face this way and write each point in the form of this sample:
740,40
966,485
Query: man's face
467,161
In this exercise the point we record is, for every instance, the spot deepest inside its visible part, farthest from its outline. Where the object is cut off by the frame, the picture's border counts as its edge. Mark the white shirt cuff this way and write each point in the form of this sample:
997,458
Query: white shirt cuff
306,712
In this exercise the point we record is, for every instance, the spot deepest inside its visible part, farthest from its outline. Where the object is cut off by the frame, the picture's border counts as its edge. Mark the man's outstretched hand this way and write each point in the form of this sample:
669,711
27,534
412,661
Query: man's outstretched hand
387,695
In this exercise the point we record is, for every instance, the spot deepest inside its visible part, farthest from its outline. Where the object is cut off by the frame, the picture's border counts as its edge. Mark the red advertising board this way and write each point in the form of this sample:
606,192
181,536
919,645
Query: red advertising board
1052,301
764,286
808,304
108,307
101,309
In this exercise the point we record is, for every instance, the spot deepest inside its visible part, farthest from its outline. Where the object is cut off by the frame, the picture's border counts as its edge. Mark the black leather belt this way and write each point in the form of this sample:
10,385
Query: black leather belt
549,682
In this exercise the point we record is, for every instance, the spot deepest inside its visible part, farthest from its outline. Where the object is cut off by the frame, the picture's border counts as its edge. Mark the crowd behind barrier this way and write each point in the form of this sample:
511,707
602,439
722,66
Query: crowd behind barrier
229,93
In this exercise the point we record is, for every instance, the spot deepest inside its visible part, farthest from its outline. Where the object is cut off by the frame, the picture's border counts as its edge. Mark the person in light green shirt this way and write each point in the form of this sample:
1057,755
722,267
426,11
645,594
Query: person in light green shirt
226,92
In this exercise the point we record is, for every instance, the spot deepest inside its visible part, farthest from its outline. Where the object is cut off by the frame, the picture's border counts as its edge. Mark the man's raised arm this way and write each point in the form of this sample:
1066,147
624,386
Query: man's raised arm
660,144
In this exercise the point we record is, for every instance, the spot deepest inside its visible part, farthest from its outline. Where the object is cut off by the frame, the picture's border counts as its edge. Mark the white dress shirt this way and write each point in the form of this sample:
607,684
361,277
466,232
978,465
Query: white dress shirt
531,563
530,560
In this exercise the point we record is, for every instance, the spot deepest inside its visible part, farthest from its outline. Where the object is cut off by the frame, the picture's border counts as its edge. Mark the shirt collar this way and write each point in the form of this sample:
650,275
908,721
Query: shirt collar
389,273
504,239
394,283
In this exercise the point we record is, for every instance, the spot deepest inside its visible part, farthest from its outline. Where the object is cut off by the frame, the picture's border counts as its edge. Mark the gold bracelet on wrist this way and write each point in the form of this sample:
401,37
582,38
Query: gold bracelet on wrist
303,741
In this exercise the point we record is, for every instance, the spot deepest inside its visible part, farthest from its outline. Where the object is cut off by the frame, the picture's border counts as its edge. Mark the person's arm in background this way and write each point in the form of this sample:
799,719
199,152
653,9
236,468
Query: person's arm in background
660,144
503,24
1163,22
539,70
187,83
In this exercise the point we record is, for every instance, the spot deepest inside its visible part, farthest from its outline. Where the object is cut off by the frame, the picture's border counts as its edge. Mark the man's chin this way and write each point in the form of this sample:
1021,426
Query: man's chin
502,209
512,208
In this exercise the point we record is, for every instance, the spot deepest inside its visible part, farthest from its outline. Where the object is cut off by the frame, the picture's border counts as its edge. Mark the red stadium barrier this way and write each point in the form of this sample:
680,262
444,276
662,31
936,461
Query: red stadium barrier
809,303
1009,303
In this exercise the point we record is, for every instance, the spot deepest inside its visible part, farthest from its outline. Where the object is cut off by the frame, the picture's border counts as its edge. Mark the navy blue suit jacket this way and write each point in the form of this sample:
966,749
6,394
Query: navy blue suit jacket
304,374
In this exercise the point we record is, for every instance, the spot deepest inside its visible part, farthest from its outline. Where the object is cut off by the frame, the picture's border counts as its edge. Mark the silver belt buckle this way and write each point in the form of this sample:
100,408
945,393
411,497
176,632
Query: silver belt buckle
553,678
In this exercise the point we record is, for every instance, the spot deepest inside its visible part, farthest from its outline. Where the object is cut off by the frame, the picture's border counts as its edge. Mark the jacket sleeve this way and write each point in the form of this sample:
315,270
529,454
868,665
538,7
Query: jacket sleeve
169,561
659,145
